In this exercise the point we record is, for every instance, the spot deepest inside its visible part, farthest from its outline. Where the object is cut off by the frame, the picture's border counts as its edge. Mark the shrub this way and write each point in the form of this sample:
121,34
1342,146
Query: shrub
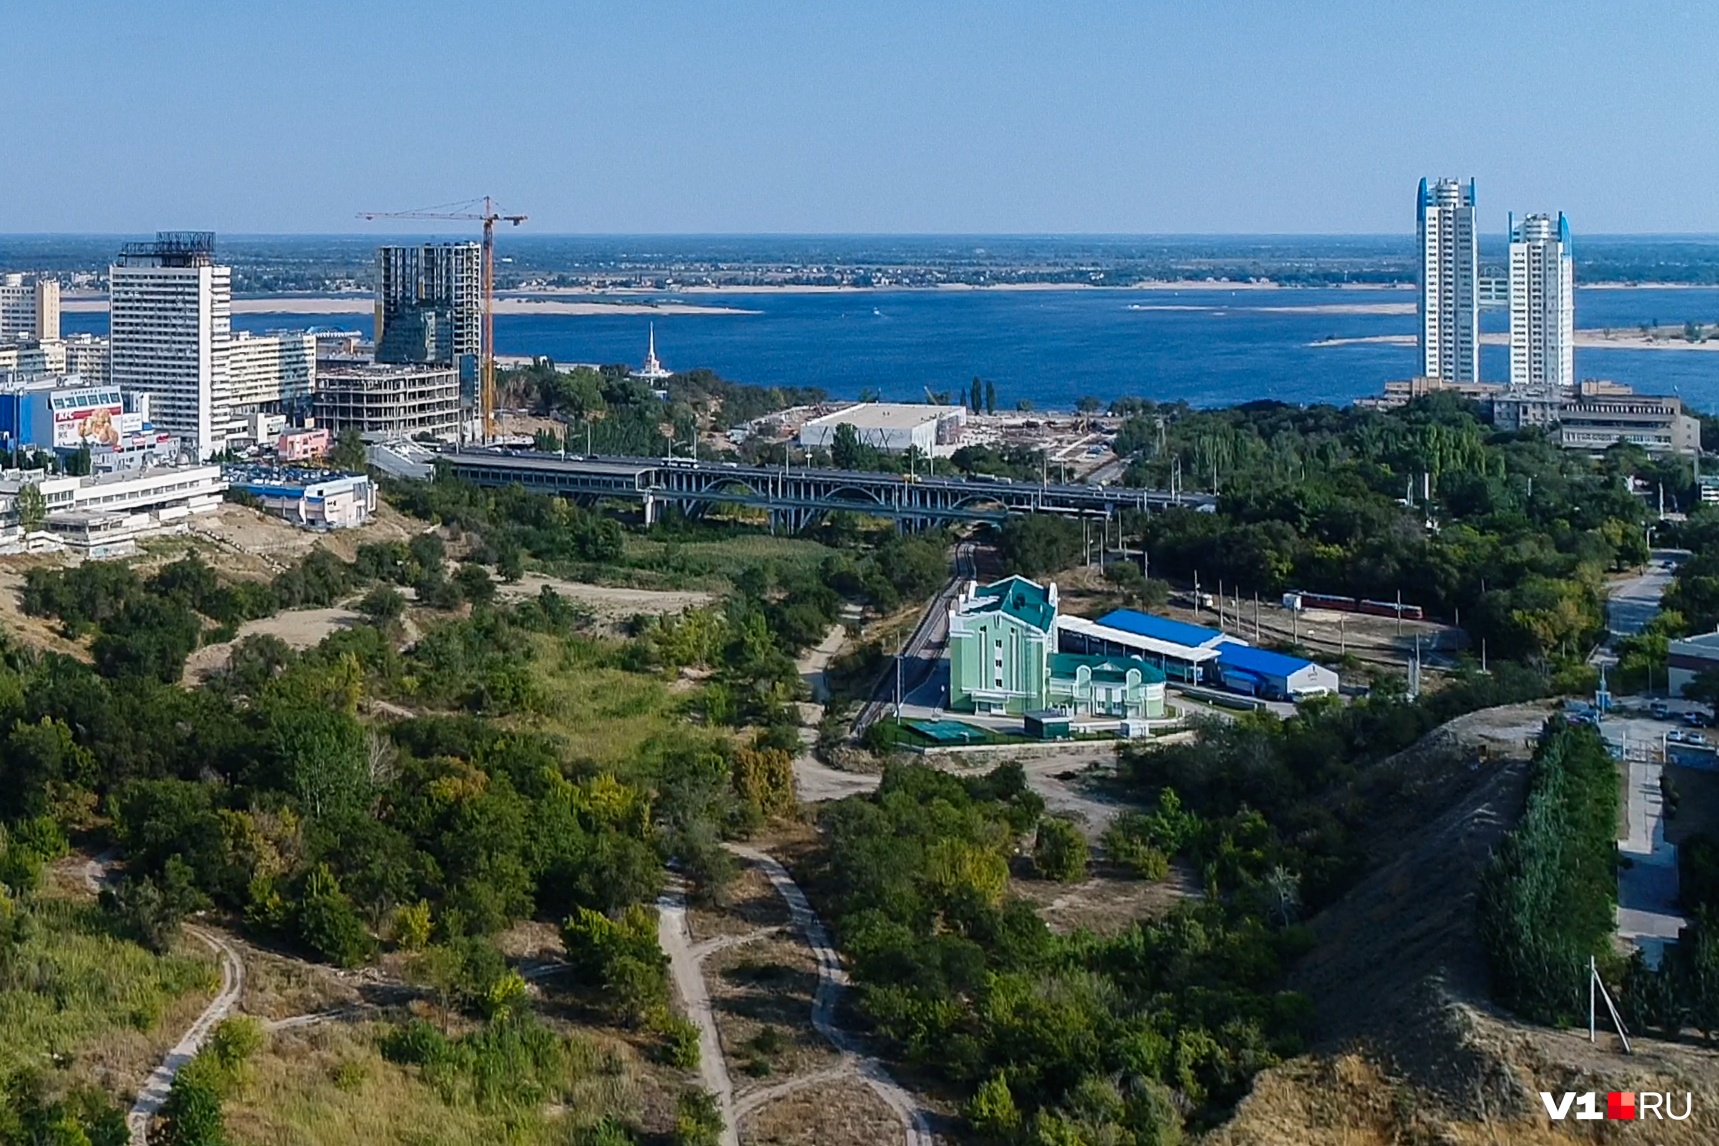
697,1120
1060,851
328,923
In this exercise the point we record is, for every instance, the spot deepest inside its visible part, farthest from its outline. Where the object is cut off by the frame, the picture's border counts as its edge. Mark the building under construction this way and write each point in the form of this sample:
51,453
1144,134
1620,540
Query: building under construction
389,401
429,307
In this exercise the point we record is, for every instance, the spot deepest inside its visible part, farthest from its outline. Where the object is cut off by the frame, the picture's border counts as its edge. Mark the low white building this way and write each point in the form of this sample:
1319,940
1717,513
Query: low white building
104,514
893,427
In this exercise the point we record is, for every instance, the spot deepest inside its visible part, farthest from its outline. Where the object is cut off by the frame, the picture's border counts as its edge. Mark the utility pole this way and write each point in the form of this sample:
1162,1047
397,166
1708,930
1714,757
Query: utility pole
1256,616
1196,592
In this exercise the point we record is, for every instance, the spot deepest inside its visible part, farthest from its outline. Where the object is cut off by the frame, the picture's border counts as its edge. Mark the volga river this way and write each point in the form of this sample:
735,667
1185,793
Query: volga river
1208,347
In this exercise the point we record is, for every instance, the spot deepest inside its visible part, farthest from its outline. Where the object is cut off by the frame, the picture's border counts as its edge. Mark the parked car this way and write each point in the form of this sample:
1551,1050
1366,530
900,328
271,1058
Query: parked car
1694,720
1659,709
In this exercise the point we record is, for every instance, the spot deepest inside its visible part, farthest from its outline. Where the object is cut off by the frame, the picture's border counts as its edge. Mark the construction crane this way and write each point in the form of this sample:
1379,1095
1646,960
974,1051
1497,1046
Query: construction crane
489,217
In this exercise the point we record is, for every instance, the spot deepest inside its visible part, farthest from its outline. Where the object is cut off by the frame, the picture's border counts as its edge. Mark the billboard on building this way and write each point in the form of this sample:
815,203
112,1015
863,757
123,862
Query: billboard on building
91,417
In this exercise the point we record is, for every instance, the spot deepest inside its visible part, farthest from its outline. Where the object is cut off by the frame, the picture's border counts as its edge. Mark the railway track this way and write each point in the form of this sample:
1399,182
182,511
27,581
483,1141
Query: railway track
927,636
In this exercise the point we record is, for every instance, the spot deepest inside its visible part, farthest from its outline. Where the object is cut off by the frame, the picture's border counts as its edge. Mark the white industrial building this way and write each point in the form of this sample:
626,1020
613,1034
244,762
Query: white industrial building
269,372
893,427
1450,273
1542,303
105,514
170,319
29,308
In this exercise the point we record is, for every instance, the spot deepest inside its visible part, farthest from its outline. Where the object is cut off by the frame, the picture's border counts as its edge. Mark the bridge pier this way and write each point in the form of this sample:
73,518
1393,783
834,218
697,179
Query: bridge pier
650,511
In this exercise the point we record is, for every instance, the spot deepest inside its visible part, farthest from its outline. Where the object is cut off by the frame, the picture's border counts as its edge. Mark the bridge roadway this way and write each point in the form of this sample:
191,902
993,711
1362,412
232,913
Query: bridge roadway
795,496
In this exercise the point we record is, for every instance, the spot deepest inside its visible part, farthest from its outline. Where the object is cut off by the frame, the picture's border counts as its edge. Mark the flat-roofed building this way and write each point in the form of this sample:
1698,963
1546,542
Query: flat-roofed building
272,372
892,427
315,499
29,308
170,320
1688,657
383,401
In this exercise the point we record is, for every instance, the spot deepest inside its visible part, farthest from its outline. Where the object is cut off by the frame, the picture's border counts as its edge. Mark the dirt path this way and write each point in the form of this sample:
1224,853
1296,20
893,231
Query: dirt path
832,981
676,940
160,1080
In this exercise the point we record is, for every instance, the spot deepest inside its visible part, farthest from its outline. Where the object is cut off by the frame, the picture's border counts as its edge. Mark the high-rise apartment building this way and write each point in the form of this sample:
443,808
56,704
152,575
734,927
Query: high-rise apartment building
29,309
429,305
170,318
1450,272
271,373
1542,303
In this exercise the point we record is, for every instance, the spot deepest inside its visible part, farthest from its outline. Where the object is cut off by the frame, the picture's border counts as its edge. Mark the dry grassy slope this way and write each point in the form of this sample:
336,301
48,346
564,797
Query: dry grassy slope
1408,1050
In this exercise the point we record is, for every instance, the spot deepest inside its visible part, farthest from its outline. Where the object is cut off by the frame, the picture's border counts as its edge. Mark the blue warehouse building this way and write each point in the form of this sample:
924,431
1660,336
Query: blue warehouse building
1193,654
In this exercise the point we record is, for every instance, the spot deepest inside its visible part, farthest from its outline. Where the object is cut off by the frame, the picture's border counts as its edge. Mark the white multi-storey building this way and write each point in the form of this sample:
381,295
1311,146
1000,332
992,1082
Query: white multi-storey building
1450,272
270,372
29,309
1542,303
170,319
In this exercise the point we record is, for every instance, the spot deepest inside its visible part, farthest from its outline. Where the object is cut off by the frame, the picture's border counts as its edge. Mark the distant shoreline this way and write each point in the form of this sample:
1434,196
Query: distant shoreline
1598,338
365,304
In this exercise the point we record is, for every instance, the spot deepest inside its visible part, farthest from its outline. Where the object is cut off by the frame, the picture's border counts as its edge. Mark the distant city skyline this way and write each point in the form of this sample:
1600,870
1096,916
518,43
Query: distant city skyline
756,117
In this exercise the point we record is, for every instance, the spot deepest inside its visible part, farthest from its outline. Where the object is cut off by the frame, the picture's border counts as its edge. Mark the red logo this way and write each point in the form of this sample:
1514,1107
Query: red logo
1620,1104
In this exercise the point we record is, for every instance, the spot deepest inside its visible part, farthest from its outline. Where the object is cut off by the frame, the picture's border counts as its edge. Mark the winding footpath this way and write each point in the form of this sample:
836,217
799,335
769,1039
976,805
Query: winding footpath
97,875
676,939
160,1080
832,981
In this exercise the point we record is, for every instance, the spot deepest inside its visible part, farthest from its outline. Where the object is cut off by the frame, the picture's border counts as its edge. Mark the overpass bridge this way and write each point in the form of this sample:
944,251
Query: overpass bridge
796,496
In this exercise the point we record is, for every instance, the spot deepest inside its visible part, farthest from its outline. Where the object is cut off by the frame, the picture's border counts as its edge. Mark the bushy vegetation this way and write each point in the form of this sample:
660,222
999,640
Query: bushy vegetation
1549,894
1077,1036
1521,531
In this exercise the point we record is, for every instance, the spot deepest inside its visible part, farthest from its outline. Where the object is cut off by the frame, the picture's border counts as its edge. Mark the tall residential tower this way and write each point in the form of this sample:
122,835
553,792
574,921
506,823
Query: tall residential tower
170,317
429,305
1542,303
29,309
1450,270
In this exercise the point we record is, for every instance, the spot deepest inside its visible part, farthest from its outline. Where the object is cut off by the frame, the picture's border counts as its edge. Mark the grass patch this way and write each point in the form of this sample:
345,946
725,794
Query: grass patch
712,563
69,985
331,1086
606,714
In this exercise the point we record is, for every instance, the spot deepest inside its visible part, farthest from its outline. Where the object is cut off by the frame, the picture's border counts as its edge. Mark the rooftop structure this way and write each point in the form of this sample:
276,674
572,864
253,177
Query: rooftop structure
1450,270
893,427
1197,655
1401,391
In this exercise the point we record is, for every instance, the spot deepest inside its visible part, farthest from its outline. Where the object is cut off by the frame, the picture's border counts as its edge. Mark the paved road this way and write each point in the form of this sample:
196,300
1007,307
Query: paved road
1632,603
1647,914
922,655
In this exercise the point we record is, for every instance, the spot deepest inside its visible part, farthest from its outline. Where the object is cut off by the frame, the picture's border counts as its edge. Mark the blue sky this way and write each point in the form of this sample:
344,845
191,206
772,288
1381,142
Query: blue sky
867,116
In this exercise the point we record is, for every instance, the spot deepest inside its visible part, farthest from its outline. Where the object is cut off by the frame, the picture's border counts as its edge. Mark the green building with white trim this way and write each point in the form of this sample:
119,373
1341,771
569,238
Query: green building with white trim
1003,660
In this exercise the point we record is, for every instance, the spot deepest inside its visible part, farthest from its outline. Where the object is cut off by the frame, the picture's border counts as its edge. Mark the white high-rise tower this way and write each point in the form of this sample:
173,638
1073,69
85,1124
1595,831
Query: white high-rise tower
1542,303
1450,270
170,318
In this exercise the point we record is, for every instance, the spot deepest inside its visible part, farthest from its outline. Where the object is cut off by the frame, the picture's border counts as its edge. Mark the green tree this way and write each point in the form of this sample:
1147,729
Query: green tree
1060,851
976,396
846,450
990,396
32,507
382,604
1704,688
191,1116
349,452
328,925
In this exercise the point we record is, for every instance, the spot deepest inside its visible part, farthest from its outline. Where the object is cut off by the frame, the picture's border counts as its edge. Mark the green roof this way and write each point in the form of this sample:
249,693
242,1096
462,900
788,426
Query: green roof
1026,601
1113,669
